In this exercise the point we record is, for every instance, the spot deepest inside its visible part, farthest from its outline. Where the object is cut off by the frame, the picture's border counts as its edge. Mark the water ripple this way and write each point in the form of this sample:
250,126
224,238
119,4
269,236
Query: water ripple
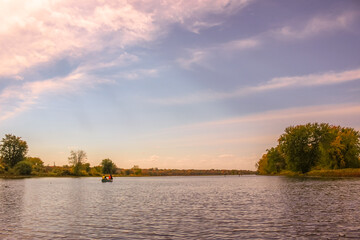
245,207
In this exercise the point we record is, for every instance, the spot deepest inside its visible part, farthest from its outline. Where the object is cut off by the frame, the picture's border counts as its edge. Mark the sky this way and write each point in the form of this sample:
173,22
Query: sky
174,84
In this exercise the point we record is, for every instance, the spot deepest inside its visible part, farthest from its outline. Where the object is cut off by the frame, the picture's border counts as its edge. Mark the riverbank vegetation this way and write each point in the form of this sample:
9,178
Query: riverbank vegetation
87,171
314,150
15,163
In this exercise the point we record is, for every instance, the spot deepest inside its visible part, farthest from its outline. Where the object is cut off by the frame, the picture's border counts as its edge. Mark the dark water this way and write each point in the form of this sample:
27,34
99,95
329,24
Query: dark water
254,207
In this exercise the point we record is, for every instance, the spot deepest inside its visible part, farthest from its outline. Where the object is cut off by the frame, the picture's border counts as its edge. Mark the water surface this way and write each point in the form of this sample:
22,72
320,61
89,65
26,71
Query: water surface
216,207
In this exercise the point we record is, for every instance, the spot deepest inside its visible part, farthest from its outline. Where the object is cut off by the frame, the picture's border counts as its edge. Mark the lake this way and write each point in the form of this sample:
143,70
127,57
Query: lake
214,207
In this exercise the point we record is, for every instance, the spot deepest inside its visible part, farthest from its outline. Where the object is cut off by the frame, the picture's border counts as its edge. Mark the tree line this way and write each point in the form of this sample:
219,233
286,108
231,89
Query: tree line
13,161
313,146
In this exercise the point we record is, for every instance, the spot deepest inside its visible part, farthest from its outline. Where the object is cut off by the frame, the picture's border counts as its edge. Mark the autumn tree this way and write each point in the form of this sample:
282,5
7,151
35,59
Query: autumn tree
37,164
341,150
108,167
313,146
300,144
12,150
261,165
77,159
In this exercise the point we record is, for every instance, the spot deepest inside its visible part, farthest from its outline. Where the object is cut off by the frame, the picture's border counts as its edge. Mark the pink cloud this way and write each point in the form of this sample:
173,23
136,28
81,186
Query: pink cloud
40,31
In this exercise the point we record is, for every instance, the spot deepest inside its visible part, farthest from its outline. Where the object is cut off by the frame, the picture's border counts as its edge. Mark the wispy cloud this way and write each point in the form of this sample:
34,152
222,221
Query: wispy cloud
294,114
240,44
195,57
260,128
329,78
309,29
200,56
18,98
318,25
197,26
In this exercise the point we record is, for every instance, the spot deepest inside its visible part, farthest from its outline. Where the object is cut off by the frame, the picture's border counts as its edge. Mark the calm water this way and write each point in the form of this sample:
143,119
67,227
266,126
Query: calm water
255,207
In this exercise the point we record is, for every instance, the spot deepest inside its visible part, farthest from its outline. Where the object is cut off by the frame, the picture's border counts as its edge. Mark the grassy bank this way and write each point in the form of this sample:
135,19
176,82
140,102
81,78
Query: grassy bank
346,172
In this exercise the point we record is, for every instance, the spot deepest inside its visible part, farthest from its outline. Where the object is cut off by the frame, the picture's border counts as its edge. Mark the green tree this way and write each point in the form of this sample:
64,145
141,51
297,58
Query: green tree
340,148
261,165
23,168
276,161
313,146
36,163
272,162
77,159
108,167
345,149
12,150
300,144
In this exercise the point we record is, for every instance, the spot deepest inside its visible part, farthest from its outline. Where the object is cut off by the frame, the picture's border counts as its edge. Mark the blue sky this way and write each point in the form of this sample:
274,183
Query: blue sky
174,84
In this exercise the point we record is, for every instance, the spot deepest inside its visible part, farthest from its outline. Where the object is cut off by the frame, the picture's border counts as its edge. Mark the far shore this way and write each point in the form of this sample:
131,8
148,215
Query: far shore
130,173
338,173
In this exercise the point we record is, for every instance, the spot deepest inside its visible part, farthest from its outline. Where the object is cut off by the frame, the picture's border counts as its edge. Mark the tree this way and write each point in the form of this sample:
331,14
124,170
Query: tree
276,161
261,165
23,168
271,162
300,144
313,146
12,150
136,169
37,164
108,167
76,159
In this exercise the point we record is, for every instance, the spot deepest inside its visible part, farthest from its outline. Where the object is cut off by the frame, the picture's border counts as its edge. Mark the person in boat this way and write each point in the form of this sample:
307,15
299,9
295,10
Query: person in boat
104,177
110,177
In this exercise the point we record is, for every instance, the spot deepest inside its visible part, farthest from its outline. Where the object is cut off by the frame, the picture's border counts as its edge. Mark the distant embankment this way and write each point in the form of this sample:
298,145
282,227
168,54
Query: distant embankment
179,172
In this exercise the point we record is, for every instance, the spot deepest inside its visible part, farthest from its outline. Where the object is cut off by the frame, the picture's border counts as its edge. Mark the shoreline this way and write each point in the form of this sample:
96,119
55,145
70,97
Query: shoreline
116,176
323,173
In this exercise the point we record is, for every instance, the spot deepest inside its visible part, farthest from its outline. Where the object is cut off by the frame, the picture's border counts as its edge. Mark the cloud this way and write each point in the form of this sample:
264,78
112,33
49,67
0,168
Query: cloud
42,30
18,98
196,57
312,28
197,26
328,78
139,73
320,79
240,44
317,25
298,113
199,56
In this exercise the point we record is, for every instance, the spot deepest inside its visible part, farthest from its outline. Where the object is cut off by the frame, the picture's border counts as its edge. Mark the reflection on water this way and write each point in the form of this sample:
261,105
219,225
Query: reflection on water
11,205
180,208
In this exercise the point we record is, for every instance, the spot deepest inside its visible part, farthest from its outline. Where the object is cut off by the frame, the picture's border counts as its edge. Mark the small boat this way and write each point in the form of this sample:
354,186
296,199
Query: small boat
106,180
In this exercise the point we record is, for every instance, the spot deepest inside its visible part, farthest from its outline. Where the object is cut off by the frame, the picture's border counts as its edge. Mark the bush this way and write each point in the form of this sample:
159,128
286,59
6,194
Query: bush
23,168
